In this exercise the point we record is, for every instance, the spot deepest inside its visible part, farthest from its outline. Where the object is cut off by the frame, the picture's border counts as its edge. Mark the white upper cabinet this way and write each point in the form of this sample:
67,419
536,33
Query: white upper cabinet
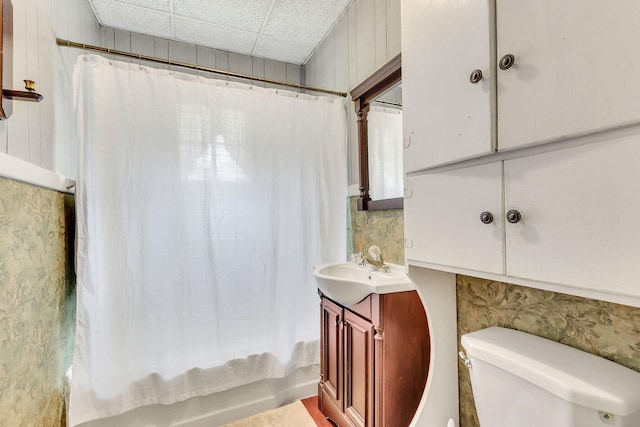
574,72
446,117
579,223
576,69
567,217
455,218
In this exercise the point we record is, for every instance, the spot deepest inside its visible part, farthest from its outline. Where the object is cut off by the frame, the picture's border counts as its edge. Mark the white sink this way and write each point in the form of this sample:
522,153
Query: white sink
349,283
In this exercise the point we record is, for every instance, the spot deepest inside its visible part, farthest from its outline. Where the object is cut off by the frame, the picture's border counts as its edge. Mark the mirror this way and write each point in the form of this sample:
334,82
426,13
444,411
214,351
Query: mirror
378,105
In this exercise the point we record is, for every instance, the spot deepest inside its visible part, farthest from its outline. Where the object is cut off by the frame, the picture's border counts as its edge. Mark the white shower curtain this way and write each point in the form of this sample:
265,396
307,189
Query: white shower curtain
202,207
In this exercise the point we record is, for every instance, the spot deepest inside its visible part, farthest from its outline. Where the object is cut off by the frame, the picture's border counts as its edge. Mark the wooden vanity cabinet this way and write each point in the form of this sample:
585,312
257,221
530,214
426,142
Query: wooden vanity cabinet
374,360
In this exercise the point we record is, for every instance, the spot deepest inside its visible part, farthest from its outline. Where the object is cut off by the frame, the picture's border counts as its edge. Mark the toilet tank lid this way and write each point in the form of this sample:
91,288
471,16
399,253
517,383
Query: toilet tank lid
571,374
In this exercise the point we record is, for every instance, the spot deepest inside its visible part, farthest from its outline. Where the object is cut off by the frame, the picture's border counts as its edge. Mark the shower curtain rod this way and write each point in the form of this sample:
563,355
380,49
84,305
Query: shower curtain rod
68,43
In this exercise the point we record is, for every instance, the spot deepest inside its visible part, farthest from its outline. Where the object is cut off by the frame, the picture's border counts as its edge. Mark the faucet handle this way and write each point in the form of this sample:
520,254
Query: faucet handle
375,252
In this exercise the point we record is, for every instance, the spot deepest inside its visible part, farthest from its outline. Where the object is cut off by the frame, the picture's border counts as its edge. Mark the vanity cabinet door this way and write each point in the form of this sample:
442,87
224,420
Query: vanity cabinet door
579,209
575,72
373,371
332,361
359,370
444,218
446,117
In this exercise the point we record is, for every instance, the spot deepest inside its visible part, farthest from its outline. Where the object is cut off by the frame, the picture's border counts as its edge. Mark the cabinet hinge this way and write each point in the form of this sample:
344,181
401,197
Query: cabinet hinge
406,141
408,192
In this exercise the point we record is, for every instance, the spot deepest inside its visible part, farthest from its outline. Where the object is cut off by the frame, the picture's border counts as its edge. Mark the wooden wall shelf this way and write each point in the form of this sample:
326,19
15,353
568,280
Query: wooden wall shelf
22,95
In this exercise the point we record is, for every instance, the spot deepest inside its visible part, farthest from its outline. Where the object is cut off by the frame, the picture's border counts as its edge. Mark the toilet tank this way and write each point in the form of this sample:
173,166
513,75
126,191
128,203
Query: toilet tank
523,380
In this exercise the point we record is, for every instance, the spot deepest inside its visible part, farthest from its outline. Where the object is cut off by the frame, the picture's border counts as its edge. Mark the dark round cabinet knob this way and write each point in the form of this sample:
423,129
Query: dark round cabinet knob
513,216
486,217
507,61
476,76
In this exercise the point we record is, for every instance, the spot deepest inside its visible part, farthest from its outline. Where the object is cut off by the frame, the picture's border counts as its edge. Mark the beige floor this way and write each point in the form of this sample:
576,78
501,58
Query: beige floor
291,415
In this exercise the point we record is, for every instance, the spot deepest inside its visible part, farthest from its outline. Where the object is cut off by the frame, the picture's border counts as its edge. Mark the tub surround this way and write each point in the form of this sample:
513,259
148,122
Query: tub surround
37,309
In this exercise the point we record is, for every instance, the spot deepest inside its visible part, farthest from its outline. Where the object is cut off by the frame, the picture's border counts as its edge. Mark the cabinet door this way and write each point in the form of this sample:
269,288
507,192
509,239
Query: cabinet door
359,370
576,68
579,211
332,367
443,218
446,117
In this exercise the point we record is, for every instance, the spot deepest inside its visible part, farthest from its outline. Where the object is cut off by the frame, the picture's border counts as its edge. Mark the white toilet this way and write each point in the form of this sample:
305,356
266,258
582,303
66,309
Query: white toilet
522,380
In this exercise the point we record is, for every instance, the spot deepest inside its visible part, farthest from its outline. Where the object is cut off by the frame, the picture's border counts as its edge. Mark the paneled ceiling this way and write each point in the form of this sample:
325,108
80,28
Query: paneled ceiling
283,30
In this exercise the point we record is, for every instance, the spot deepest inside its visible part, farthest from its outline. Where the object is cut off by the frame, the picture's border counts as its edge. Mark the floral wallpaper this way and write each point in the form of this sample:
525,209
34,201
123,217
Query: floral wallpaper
384,228
37,302
606,329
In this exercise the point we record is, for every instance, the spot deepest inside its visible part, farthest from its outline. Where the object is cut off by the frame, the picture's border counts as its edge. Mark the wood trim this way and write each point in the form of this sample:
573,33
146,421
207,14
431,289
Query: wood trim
371,86
3,115
363,94
312,405
395,203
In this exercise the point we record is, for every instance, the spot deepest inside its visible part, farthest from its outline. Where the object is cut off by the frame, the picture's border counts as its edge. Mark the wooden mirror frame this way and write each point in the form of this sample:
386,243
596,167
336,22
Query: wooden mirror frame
3,114
382,80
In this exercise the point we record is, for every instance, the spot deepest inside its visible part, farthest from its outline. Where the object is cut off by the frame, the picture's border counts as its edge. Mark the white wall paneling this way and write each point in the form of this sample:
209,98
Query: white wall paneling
293,73
205,56
122,41
242,64
199,55
275,70
353,44
18,141
364,39
37,132
181,52
381,36
341,52
257,70
107,37
393,28
328,66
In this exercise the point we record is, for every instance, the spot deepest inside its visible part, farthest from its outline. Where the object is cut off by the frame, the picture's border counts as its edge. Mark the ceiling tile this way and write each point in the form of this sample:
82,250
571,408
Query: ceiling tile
160,5
283,50
205,34
127,17
306,21
283,30
241,14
